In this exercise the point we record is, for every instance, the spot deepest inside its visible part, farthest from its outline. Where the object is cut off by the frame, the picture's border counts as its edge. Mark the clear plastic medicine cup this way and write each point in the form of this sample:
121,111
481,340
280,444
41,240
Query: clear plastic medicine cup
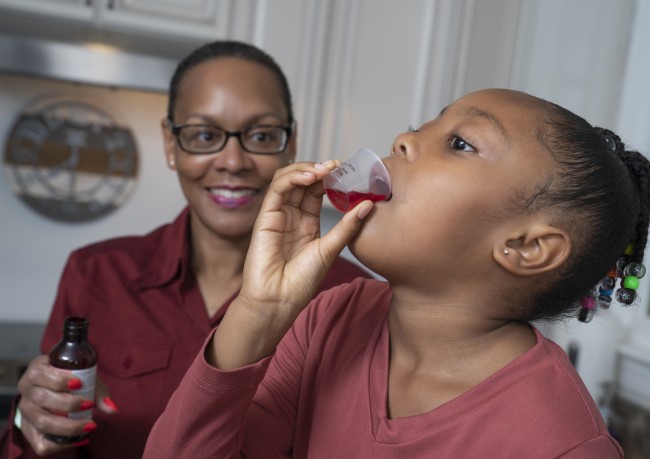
360,178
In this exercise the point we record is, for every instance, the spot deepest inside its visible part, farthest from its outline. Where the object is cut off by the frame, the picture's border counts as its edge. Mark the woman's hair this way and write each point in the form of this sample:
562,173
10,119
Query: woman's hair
221,49
601,191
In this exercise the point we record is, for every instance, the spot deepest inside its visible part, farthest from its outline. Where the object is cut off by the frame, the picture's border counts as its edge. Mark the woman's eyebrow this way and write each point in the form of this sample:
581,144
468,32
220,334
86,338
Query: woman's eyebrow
251,120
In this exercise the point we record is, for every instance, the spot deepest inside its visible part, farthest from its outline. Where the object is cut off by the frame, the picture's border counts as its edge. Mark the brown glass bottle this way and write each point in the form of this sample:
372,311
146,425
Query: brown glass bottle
75,354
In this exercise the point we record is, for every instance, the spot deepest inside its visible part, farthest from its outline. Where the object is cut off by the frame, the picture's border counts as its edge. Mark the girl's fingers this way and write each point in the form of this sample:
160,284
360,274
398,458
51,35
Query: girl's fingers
289,185
345,230
312,202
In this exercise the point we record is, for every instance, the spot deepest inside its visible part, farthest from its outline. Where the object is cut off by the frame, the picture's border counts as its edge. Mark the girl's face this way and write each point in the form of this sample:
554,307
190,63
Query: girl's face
225,190
455,181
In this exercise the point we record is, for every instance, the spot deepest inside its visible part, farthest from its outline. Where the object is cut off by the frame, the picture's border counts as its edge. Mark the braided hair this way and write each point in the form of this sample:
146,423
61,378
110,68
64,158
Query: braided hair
603,191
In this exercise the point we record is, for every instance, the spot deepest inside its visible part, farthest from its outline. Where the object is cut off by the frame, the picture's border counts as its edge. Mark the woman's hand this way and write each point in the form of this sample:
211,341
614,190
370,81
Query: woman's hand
45,402
286,262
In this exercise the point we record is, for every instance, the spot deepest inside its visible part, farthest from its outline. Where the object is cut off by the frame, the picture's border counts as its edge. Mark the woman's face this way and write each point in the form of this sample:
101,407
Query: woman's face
225,190
454,184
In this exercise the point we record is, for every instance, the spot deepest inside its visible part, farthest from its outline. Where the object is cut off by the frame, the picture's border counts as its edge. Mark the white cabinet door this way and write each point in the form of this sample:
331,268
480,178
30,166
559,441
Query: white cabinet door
81,10
192,19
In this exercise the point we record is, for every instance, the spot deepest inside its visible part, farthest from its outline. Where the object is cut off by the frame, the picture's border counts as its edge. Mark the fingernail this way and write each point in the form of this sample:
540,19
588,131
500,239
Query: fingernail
86,405
110,403
74,384
90,427
82,442
320,167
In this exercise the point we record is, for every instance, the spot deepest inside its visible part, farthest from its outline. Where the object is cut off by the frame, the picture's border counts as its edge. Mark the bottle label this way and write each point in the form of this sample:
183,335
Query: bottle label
87,391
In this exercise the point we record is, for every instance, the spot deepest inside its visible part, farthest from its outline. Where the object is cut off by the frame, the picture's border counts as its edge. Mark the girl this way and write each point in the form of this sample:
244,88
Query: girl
505,209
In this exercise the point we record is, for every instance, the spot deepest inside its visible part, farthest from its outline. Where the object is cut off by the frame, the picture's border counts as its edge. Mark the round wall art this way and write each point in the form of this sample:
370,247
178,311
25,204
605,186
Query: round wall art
69,160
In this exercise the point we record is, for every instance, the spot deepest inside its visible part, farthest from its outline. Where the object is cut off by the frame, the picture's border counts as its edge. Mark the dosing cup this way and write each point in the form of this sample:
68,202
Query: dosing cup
360,178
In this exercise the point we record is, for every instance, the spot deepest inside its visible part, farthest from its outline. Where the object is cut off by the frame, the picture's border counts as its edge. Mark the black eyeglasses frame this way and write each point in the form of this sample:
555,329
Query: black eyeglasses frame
176,129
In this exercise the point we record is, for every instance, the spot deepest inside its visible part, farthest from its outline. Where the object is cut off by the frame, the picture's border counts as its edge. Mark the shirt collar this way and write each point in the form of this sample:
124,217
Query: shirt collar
171,259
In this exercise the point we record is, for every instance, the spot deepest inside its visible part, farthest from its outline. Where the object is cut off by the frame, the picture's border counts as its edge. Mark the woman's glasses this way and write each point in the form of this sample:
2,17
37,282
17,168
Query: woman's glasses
203,139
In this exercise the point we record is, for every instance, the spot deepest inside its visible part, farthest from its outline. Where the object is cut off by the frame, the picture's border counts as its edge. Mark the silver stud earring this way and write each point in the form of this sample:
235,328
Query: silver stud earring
506,252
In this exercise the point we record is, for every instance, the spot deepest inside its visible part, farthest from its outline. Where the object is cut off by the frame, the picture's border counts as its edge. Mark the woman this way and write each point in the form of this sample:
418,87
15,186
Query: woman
505,209
152,300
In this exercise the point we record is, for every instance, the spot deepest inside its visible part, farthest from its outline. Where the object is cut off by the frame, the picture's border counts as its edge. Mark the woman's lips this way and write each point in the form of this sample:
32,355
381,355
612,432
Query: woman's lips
232,197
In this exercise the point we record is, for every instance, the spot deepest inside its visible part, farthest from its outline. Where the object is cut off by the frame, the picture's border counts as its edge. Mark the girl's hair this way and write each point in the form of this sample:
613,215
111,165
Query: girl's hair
602,191
221,49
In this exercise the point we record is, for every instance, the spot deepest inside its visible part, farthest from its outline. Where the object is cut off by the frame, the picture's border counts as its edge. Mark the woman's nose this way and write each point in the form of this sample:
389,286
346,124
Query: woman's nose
233,158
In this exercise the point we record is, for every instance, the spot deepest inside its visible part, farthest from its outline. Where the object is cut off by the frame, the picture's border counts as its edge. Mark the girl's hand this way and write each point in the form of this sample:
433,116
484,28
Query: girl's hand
285,264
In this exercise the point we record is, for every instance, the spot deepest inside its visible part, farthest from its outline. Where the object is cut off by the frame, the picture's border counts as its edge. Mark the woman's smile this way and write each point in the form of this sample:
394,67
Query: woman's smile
233,197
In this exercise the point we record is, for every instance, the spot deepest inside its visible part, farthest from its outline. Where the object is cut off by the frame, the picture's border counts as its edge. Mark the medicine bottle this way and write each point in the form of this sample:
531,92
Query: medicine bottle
75,354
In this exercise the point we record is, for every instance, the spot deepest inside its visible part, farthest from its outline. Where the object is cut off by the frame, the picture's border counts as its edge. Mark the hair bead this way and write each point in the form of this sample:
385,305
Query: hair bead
608,283
631,282
625,296
585,315
635,269
621,263
588,302
604,301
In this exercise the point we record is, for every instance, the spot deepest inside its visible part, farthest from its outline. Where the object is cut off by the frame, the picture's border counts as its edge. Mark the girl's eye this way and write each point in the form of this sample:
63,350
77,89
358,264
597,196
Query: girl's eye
460,144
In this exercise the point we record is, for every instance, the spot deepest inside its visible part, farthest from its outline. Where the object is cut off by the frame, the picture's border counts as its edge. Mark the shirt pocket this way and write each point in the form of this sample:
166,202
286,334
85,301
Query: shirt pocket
129,360
137,377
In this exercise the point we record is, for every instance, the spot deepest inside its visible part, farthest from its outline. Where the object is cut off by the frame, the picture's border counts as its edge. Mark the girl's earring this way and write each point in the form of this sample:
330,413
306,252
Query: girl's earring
171,163
506,252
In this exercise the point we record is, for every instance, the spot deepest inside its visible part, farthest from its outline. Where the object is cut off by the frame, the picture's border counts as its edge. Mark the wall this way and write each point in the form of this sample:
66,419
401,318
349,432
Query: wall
33,248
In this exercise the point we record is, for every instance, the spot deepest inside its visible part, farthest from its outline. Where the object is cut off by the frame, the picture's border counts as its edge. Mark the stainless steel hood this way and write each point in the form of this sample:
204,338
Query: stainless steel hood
96,64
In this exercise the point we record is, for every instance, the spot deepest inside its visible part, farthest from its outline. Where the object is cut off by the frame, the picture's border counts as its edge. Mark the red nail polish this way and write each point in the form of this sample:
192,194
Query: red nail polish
90,427
86,405
110,403
82,442
74,384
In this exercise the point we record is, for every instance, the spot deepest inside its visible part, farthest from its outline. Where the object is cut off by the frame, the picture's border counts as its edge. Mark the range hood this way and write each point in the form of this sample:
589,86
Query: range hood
88,63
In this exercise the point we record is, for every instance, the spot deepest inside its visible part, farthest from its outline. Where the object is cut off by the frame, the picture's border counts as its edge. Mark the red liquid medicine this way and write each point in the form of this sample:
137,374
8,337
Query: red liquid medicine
347,201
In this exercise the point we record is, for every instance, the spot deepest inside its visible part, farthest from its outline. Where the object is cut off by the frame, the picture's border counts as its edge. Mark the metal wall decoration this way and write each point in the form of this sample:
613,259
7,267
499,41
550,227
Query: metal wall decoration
69,160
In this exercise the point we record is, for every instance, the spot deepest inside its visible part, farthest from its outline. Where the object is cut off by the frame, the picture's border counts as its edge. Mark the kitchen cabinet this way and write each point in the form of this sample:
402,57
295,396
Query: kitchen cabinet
197,20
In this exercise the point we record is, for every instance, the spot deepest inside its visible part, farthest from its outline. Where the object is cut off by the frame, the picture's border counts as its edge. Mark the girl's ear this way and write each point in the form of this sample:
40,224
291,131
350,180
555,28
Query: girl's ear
540,249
